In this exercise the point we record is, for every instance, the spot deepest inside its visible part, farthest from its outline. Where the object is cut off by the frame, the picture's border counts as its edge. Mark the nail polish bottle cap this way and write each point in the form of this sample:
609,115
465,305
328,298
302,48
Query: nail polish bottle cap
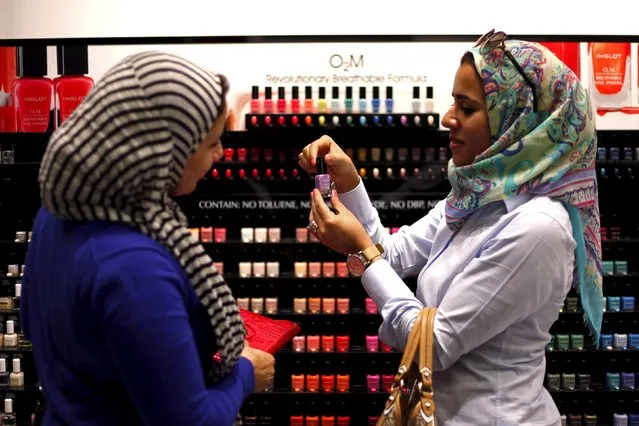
280,93
389,92
429,92
10,327
308,92
73,60
362,92
335,92
16,365
322,92
255,92
8,405
3,365
31,61
18,290
349,92
375,92
295,92
415,92
321,166
268,93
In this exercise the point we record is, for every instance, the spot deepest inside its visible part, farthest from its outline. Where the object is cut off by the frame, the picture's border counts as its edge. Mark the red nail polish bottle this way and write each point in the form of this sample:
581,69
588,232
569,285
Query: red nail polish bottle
242,174
343,382
228,154
281,100
215,174
328,343
297,382
343,420
255,154
312,382
387,382
228,174
282,174
281,120
256,174
295,100
269,174
32,92
73,85
328,383
268,101
253,121
267,120
343,343
295,121
7,75
297,421
255,100
308,120
241,154
312,421
328,420
295,173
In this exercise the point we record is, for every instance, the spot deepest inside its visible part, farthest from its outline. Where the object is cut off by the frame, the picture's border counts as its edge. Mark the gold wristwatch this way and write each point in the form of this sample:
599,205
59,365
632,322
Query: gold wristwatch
358,262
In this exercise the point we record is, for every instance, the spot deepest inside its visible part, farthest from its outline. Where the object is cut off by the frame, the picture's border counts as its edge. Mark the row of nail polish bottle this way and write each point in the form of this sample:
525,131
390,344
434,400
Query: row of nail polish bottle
619,341
329,343
335,121
324,305
324,420
259,305
266,105
325,383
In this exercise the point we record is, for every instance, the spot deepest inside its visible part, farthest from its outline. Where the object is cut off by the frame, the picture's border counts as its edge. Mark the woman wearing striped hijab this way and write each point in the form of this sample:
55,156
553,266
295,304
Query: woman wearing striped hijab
123,306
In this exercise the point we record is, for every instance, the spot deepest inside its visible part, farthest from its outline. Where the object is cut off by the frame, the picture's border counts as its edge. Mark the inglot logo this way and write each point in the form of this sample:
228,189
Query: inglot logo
346,62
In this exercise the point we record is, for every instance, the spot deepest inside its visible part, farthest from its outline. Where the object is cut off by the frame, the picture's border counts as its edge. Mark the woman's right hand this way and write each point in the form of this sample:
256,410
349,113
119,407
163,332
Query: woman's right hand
263,366
340,166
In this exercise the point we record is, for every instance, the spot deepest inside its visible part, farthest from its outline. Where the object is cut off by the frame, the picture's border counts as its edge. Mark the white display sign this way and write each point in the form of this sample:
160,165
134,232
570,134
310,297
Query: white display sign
155,18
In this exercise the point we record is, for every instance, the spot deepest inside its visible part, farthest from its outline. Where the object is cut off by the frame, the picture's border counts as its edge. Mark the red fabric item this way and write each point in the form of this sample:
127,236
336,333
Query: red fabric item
267,334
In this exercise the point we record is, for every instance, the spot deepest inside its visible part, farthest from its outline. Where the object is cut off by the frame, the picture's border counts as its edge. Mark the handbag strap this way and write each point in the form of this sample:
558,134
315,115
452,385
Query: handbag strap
426,361
410,351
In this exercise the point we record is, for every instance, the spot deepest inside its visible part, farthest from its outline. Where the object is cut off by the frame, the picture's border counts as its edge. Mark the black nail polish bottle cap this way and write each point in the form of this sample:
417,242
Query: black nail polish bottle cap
362,92
335,92
322,92
31,61
296,93
73,60
429,92
375,92
280,93
255,92
321,166
389,92
268,93
415,92
349,92
308,92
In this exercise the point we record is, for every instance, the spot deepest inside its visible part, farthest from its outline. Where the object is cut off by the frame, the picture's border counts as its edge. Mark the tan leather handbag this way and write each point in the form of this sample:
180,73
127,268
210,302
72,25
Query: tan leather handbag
411,400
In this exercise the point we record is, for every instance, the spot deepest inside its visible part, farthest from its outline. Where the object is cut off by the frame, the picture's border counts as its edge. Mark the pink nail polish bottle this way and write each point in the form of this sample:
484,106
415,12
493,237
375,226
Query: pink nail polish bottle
274,235
268,100
314,269
372,382
328,269
384,347
299,343
343,305
299,305
328,305
220,235
301,235
371,308
281,100
342,270
372,344
313,343
394,230
219,266
387,382
255,100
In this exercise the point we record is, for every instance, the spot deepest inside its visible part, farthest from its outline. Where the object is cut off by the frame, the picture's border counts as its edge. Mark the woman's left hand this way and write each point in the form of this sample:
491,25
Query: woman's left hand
341,232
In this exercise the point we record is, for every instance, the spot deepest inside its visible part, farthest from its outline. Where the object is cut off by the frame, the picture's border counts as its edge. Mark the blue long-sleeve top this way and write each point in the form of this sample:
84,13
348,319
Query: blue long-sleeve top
119,335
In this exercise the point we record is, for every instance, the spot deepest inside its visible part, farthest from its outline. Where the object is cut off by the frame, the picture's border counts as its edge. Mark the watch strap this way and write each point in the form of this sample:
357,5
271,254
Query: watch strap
372,252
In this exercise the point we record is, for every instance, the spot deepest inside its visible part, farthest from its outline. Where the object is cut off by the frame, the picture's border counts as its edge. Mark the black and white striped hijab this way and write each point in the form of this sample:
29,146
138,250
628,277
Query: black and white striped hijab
121,152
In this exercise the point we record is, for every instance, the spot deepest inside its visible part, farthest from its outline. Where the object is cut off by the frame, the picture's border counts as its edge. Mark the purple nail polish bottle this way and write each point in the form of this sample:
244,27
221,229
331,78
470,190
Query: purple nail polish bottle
323,181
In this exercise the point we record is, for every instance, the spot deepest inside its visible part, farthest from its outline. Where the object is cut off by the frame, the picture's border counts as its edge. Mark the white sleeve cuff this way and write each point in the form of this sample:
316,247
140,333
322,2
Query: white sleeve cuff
382,284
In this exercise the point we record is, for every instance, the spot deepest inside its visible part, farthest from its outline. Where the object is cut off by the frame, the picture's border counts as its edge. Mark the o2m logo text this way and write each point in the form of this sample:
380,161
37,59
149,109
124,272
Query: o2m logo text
346,62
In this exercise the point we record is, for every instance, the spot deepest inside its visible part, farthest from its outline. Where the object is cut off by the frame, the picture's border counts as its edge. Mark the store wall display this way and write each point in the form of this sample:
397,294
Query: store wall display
384,103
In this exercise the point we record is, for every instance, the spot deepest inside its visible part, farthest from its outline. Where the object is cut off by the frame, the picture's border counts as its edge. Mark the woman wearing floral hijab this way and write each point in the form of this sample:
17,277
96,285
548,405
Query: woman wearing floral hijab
498,255
122,303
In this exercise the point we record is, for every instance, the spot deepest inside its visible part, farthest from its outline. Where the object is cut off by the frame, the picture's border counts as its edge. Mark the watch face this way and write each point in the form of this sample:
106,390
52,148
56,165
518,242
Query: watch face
355,265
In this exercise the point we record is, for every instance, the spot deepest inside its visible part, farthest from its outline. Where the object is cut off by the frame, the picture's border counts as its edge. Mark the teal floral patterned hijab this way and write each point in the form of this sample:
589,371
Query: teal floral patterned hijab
543,143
